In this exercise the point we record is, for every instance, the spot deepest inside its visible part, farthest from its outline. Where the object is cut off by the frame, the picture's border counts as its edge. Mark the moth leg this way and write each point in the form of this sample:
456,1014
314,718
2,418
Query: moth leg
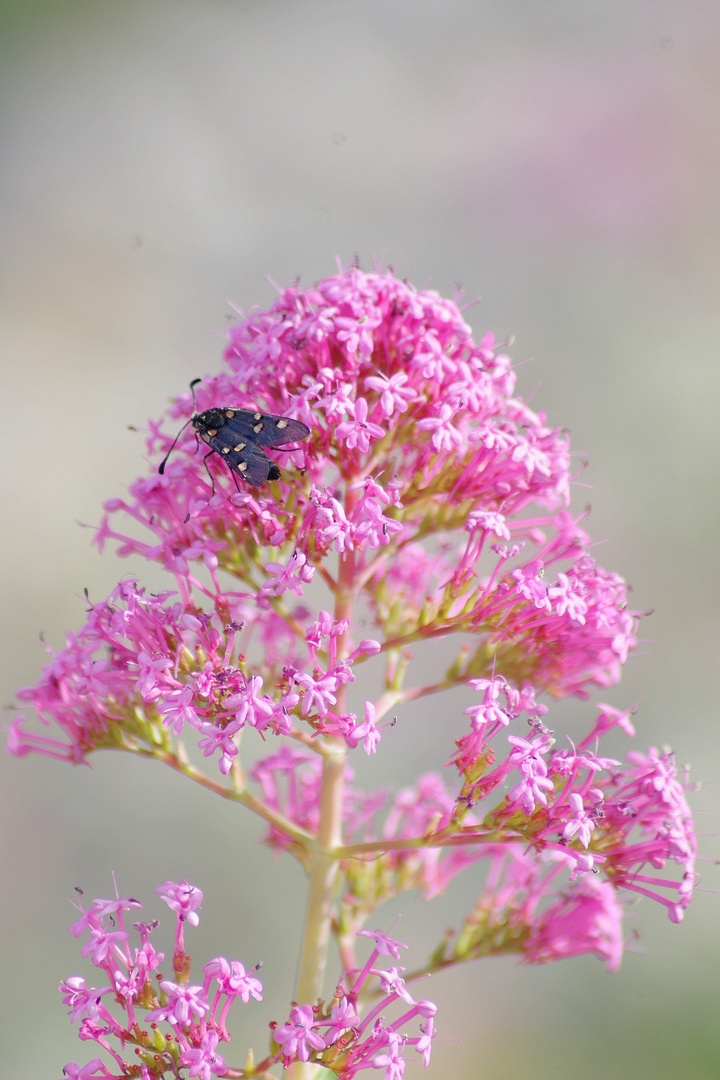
212,478
207,470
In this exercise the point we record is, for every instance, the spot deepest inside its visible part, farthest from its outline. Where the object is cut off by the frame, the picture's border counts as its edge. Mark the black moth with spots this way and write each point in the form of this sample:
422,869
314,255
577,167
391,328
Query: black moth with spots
239,437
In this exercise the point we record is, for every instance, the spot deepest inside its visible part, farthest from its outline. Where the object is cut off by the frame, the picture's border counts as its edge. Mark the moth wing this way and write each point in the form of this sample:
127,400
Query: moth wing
252,464
268,430
236,444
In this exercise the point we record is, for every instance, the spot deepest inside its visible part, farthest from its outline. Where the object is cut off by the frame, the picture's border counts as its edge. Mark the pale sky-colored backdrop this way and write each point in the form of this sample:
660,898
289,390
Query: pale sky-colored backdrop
561,160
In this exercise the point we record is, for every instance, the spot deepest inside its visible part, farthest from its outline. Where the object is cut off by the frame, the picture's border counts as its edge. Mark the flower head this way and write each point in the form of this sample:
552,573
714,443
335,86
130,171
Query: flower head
429,503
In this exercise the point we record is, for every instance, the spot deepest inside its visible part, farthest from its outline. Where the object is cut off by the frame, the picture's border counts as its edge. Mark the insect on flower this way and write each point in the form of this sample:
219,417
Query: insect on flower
240,436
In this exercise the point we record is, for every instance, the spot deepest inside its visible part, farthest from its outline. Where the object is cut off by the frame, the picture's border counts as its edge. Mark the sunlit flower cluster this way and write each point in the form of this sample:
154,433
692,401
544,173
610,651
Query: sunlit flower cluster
429,504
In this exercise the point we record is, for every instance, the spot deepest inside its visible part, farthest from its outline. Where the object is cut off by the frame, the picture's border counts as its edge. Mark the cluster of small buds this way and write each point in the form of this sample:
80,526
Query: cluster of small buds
427,502
171,1023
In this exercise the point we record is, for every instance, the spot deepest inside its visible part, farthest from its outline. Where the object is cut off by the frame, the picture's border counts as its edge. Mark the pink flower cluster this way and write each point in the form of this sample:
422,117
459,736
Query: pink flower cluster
415,437
562,814
428,502
195,1015
347,1044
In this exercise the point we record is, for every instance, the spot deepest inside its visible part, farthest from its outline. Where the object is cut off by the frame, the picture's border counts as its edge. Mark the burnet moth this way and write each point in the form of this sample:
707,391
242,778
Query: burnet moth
239,437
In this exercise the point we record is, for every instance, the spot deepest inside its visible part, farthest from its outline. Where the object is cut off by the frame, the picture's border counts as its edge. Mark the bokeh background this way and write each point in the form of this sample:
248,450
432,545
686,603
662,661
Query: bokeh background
560,160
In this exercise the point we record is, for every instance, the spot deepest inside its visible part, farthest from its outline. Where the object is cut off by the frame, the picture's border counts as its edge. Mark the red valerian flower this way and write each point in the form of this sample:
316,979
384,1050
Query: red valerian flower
429,505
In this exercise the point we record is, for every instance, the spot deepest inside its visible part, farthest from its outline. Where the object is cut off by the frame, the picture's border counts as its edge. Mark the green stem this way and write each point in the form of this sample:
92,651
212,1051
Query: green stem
178,762
324,863
323,876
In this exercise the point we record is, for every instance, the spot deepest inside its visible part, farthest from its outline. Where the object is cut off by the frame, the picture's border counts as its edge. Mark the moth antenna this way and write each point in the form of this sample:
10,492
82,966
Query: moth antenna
163,463
193,384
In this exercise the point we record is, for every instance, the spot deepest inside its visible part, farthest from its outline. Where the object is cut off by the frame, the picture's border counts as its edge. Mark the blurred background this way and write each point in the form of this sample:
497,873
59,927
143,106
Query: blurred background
561,161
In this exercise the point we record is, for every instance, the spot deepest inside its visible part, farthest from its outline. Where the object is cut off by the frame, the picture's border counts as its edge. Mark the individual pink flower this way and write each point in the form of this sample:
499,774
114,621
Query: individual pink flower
298,1037
358,432
183,898
580,823
394,394
204,1061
